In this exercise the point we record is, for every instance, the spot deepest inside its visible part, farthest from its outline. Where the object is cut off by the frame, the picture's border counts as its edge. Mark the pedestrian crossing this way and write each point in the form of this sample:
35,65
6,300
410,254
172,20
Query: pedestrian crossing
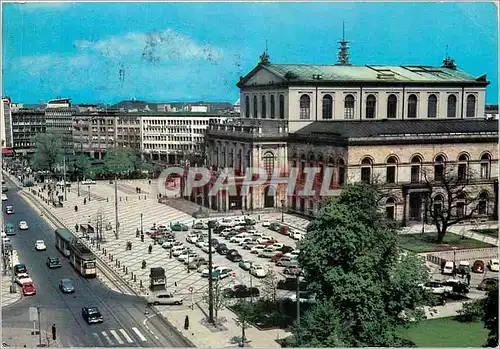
117,337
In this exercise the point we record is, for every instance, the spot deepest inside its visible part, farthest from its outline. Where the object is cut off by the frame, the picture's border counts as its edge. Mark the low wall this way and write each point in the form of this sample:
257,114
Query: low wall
470,255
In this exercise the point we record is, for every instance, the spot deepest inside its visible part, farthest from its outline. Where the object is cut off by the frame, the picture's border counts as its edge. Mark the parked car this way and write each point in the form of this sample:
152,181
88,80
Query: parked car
245,264
207,248
221,273
222,249
23,225
20,268
40,245
87,182
488,284
290,284
297,235
200,242
276,257
53,262
286,249
257,249
200,226
275,226
186,256
456,286
436,287
9,209
22,278
266,223
284,230
304,297
230,234
204,271
448,268
267,252
28,289
234,257
258,271
277,246
249,244
264,238
197,263
192,238
214,242
285,261
463,268
239,238
293,270
179,226
178,250
168,243
92,315
66,286
241,291
164,298
493,265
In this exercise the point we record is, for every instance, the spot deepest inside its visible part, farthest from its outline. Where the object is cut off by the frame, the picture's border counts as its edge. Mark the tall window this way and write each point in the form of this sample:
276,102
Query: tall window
432,106
391,170
415,169
437,204
349,107
268,162
462,167
371,101
231,157
327,107
341,169
438,168
366,170
389,208
471,106
273,107
482,206
255,115
264,107
392,107
412,106
282,107
485,165
239,160
451,110
249,158
460,205
305,107
247,106
223,162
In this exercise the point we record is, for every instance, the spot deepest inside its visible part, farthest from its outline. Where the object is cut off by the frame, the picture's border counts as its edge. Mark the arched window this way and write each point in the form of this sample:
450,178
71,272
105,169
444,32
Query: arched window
305,107
282,107
392,107
463,161
438,168
273,107
255,115
327,107
485,165
482,205
432,106
390,204
416,163
371,102
247,106
366,170
341,171
349,107
268,159
391,170
452,106
471,106
263,104
412,107
437,204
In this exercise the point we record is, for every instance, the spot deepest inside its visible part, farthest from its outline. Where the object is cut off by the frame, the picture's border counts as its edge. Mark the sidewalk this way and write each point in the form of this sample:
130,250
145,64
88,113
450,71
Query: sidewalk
23,337
7,297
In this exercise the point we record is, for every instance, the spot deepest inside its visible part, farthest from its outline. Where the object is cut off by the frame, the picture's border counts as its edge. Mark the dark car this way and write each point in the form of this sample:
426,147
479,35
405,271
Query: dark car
66,286
275,226
293,270
222,249
9,210
234,257
241,291
218,230
290,284
20,268
286,249
179,227
232,251
230,235
488,284
53,262
92,315
284,230
214,242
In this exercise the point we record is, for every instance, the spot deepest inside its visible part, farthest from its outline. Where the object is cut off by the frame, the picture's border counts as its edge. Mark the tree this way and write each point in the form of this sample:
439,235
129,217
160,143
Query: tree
490,317
48,151
270,285
120,161
219,298
449,201
245,315
352,262
80,166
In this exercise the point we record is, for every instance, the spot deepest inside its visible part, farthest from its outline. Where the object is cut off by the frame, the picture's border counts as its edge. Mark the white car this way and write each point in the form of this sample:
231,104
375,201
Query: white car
186,256
204,268
178,250
448,268
23,225
169,243
258,271
192,238
277,246
263,239
258,234
304,297
239,238
61,183
40,245
266,223
201,242
436,287
257,249
494,265
87,182
4,197
23,278
206,247
297,235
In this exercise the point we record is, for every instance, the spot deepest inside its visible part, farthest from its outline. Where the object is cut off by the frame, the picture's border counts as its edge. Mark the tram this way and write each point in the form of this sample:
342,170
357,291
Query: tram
79,255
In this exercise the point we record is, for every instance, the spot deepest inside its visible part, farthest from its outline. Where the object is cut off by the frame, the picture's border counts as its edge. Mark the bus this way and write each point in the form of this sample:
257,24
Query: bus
79,255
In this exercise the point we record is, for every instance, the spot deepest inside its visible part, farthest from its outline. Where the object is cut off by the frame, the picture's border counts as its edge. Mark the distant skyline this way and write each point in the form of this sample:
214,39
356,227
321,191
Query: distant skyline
157,52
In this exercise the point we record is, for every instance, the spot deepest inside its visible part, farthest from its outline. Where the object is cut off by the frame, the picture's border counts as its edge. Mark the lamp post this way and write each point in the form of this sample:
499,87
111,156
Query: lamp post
454,256
89,191
282,211
211,225
142,231
78,185
64,178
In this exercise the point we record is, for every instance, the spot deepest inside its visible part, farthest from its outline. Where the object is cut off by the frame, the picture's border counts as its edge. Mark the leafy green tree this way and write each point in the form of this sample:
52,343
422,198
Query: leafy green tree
121,161
490,317
48,151
245,315
352,261
80,166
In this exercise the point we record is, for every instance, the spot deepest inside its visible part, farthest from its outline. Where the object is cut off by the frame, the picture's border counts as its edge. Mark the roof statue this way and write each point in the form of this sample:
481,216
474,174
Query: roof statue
264,57
343,55
448,62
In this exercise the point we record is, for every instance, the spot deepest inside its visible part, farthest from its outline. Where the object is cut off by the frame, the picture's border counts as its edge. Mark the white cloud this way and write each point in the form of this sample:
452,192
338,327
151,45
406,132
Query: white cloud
155,47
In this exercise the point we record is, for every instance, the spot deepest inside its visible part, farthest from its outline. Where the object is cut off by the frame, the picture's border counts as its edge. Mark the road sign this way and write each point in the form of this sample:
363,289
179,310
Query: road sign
191,289
33,314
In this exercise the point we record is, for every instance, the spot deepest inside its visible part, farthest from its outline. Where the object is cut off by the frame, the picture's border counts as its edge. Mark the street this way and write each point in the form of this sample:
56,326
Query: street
124,323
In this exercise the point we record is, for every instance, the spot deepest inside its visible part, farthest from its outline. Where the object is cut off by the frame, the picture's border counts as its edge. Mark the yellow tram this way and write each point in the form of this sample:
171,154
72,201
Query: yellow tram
79,255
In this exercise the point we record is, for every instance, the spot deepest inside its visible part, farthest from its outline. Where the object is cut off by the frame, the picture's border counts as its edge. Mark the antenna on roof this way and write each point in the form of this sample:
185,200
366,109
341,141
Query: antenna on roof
343,55
264,57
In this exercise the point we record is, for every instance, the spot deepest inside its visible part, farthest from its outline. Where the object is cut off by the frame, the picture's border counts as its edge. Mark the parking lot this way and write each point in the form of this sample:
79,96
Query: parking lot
178,274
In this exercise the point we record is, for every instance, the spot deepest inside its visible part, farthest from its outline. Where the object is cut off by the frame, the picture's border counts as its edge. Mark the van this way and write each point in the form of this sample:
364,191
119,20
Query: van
448,268
164,298
177,250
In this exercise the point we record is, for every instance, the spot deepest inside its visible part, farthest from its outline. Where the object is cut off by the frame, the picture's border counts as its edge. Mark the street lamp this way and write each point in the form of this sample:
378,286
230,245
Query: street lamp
454,255
89,191
211,225
282,211
142,231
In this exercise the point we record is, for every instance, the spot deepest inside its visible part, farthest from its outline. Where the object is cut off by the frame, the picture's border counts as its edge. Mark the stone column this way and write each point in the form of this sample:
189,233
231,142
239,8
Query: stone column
226,199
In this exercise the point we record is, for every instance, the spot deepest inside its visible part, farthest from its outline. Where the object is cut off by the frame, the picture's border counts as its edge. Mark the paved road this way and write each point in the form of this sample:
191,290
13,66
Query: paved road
125,323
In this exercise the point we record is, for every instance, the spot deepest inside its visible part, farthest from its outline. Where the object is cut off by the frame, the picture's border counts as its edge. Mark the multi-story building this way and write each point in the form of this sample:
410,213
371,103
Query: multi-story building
7,137
27,122
59,120
362,122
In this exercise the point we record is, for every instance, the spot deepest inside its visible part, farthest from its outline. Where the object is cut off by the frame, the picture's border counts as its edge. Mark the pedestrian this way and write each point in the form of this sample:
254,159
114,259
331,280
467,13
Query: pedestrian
150,248
150,182
84,201
468,279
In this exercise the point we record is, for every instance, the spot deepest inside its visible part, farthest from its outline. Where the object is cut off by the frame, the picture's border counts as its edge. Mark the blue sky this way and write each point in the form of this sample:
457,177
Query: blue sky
106,52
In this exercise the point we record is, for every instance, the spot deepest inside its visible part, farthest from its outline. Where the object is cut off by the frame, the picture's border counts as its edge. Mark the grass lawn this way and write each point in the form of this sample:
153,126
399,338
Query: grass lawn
419,243
489,232
446,332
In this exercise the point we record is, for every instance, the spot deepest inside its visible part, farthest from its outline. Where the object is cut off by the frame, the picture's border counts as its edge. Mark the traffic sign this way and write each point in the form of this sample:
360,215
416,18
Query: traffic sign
33,314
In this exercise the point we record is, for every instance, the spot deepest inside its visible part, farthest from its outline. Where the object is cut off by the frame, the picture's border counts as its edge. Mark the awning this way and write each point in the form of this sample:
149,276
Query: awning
7,151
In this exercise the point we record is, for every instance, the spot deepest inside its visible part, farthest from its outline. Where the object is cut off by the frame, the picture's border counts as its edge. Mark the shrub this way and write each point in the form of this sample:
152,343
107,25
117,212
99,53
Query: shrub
471,311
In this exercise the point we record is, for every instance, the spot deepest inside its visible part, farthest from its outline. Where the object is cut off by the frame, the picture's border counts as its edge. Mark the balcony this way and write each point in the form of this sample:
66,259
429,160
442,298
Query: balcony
250,129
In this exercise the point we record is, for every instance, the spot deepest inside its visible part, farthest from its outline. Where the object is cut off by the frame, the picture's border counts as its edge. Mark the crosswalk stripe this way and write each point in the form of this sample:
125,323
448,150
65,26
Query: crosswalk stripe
125,334
139,334
96,336
117,337
105,335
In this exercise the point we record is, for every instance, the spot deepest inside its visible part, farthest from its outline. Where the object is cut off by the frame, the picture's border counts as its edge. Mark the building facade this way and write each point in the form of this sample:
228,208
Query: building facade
7,136
59,120
365,123
27,122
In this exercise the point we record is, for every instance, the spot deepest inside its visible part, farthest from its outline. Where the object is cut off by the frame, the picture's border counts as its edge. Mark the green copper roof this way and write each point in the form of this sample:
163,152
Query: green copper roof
371,73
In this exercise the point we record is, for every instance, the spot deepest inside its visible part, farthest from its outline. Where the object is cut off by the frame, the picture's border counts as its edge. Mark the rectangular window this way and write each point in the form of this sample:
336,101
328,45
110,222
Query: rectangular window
391,174
460,209
366,174
462,172
481,207
485,170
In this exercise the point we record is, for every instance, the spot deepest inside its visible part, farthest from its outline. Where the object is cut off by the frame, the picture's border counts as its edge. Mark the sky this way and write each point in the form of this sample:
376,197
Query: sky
159,52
